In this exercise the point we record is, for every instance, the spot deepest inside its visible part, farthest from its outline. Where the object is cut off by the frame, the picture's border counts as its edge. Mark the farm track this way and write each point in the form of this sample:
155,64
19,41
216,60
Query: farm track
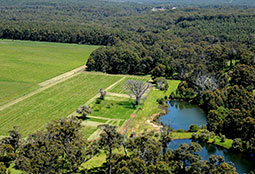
62,76
45,85
118,95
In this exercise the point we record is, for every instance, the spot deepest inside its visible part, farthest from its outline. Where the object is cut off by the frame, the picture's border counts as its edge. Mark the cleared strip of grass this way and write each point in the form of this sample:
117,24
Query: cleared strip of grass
87,131
226,144
172,86
121,109
56,102
24,64
120,87
181,135
96,120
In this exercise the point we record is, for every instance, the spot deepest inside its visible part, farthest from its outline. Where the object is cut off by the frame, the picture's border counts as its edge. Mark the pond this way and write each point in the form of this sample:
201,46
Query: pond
242,162
182,115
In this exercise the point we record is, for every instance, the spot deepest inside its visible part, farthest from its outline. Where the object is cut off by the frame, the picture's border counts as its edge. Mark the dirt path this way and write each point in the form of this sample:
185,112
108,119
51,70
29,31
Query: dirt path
118,95
90,123
62,76
47,84
104,118
97,133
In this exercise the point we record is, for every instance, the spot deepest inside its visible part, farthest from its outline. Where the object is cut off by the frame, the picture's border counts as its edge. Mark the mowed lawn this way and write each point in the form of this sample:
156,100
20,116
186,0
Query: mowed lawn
24,64
58,101
114,107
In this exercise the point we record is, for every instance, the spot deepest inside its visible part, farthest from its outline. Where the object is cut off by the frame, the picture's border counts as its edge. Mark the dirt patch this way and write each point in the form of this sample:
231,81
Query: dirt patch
132,115
118,95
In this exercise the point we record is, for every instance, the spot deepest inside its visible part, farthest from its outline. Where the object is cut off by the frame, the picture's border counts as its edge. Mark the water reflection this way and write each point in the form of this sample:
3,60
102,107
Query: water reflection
182,115
242,162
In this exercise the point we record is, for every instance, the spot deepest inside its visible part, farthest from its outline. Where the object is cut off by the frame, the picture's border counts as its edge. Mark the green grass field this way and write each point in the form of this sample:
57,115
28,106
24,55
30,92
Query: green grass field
24,64
114,108
58,101
119,88
88,130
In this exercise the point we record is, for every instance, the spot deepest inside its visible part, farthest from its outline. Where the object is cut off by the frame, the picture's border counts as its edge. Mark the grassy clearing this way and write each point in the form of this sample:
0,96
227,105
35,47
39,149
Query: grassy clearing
111,108
181,135
96,161
172,86
96,120
226,144
58,101
150,107
120,87
24,64
87,131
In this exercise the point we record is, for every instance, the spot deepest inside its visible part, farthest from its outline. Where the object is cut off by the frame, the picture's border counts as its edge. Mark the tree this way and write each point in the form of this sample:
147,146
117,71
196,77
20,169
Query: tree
102,93
109,140
165,138
244,75
158,71
8,148
185,155
59,149
205,81
161,84
84,110
137,88
14,139
146,147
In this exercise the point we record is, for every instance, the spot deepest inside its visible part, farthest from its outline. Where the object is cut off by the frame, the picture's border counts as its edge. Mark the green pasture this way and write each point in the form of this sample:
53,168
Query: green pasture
24,64
113,108
88,130
53,103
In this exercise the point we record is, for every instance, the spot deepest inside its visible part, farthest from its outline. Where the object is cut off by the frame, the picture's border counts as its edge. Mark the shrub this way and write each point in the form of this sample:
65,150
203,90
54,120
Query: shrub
160,101
223,138
194,136
180,130
161,84
172,96
194,128
98,101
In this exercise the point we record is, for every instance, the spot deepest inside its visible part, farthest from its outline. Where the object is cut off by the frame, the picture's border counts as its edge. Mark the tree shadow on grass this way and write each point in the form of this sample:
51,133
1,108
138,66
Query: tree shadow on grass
127,104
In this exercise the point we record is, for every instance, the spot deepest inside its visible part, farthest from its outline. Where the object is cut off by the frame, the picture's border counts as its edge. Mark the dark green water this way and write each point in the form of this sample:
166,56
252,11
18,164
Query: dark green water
182,115
242,162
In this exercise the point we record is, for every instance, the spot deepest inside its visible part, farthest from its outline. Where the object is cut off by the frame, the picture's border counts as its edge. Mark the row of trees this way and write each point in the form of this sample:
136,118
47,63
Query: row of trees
61,148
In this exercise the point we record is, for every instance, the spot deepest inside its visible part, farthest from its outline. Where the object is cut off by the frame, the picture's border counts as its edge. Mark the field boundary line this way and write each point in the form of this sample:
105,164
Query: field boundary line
62,76
36,92
97,133
107,89
120,75
104,118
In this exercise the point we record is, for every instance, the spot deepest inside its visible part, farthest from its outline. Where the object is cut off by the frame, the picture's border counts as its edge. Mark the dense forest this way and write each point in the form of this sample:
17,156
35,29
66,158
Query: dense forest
61,148
210,49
